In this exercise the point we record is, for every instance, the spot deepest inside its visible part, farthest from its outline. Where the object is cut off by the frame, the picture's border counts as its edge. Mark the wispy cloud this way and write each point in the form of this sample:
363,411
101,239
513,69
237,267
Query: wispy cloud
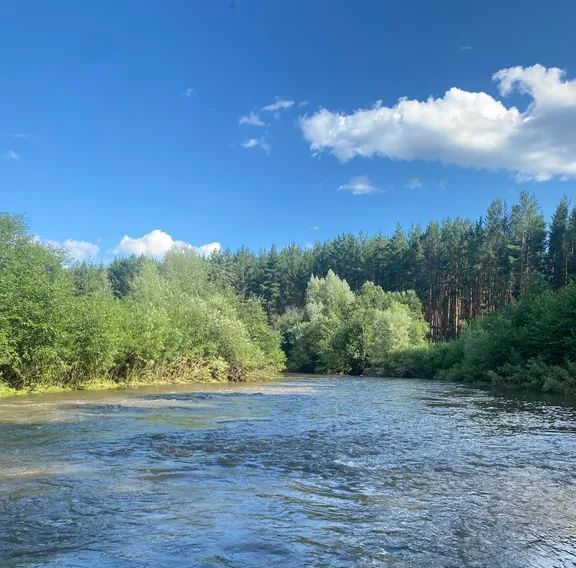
11,156
256,118
189,92
77,251
21,135
157,243
257,143
360,185
80,250
251,119
414,183
277,106
465,48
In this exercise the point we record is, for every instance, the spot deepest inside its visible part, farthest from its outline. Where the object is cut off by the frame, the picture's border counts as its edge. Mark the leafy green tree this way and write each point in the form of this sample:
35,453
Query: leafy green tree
343,332
68,325
394,329
122,272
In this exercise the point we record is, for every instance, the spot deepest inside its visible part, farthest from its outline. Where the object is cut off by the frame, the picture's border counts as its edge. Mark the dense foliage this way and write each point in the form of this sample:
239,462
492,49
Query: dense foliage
531,343
137,320
345,332
459,268
500,287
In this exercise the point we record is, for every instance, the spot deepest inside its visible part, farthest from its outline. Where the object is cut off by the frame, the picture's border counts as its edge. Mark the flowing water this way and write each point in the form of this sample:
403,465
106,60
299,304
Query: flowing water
305,472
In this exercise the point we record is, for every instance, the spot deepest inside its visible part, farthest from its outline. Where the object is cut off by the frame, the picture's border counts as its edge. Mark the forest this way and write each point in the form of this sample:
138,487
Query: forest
484,300
460,269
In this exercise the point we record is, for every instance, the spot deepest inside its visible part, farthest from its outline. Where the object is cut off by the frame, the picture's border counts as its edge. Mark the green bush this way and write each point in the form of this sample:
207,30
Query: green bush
339,331
531,344
138,319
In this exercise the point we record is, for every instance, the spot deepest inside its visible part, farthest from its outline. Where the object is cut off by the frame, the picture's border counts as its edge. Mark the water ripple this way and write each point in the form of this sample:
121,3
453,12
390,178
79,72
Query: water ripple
306,472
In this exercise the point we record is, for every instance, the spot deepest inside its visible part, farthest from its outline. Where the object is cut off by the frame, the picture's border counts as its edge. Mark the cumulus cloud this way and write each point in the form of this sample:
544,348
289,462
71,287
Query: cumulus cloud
257,143
465,128
11,156
251,119
157,243
207,249
360,185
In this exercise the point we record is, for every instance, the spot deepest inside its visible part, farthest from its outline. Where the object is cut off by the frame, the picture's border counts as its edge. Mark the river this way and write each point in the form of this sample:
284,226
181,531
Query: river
309,471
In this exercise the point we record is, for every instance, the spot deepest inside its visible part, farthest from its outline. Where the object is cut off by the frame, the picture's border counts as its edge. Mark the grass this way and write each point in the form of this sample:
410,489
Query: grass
148,379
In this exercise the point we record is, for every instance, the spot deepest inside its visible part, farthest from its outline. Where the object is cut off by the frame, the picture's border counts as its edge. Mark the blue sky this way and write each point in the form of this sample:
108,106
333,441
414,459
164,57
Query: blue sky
118,118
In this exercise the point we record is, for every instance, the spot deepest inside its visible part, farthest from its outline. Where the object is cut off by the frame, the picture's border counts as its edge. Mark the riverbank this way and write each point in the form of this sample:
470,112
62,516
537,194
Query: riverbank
261,375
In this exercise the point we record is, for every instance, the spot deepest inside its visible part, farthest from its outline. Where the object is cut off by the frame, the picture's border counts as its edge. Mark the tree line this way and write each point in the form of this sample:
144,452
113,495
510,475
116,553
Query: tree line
354,304
460,269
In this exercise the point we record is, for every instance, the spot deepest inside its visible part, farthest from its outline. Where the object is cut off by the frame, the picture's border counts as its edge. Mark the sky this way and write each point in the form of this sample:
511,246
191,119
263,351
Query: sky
141,126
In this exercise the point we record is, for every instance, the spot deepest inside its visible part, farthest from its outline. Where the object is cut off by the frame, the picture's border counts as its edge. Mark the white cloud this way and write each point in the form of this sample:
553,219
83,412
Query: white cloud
207,249
157,243
80,250
414,183
465,128
277,106
21,135
189,92
257,143
11,156
360,185
465,48
251,119
76,250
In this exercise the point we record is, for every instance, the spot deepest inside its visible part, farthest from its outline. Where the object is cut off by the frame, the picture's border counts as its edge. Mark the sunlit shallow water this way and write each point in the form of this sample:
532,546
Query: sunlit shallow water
305,472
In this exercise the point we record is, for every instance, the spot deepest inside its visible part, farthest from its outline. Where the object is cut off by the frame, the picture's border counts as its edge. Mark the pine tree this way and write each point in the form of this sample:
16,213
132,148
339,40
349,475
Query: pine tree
528,241
558,245
572,245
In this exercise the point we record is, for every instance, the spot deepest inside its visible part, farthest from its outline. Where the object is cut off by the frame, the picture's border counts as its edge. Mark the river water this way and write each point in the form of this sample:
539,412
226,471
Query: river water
316,471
